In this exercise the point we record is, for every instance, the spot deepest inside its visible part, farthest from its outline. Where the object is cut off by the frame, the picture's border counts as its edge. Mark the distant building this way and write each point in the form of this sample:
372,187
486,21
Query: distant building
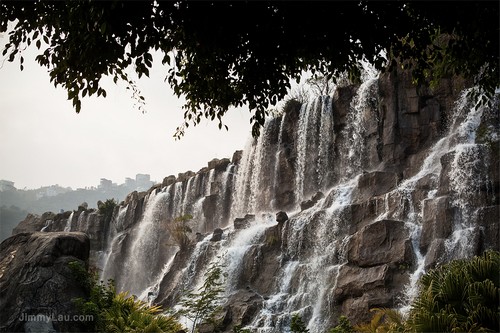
6,185
105,184
130,183
51,191
143,182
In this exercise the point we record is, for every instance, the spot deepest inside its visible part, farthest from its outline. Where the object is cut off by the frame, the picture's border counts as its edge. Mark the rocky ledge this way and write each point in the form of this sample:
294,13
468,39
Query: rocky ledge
36,280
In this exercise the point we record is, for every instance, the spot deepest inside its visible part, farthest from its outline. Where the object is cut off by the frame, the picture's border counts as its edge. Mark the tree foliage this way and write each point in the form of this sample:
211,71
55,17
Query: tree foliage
203,306
106,209
383,321
223,54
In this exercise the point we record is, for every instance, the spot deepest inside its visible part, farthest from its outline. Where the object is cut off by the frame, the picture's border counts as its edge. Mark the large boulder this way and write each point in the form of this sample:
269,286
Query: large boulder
240,309
355,281
36,278
382,242
375,183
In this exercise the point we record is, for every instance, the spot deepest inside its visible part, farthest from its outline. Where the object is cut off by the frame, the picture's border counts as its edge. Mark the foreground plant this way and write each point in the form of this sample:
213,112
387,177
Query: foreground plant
114,313
127,314
462,296
203,306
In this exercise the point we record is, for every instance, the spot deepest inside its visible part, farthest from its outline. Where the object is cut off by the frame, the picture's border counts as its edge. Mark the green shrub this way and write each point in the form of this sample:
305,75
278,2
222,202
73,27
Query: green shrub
117,312
461,296
127,314
106,209
344,326
298,325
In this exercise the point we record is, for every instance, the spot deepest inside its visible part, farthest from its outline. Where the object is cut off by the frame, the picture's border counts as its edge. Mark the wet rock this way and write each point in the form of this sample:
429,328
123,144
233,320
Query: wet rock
382,242
209,208
199,237
134,202
437,220
375,183
243,222
83,206
39,324
217,235
306,204
168,180
488,218
185,176
318,196
237,157
219,165
355,281
435,253
281,217
31,223
240,309
310,203
357,309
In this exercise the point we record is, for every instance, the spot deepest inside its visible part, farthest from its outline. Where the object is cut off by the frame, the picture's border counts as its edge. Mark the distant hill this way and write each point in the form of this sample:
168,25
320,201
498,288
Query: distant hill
15,203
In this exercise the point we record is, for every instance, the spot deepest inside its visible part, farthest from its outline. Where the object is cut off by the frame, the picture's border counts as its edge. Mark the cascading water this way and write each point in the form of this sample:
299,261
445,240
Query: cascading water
362,106
148,246
314,142
69,223
308,274
466,176
115,236
299,151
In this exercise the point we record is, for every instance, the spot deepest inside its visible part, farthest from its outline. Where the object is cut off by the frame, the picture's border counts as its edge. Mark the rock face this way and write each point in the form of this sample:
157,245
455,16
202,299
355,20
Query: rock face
36,278
337,208
88,221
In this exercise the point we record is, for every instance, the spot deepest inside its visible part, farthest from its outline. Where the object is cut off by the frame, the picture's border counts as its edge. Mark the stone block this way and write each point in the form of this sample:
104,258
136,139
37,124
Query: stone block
354,281
375,183
437,220
382,242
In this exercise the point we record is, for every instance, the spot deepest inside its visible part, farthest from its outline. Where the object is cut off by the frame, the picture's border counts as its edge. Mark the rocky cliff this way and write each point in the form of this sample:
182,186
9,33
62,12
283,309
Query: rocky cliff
36,280
374,185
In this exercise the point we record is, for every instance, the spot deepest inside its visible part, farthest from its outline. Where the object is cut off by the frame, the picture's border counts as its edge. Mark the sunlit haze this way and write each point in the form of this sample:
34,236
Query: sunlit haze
44,142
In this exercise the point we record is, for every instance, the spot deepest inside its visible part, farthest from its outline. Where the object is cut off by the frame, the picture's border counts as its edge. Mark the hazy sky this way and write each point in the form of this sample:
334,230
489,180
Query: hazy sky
44,142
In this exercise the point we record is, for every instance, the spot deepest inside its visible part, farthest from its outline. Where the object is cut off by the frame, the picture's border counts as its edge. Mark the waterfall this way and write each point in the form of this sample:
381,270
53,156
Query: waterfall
115,236
302,135
69,222
466,176
47,225
298,154
236,249
254,190
146,245
354,134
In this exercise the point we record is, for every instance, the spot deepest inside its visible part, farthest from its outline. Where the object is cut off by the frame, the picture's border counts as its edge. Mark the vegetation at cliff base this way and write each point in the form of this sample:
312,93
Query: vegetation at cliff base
461,296
116,313
221,54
